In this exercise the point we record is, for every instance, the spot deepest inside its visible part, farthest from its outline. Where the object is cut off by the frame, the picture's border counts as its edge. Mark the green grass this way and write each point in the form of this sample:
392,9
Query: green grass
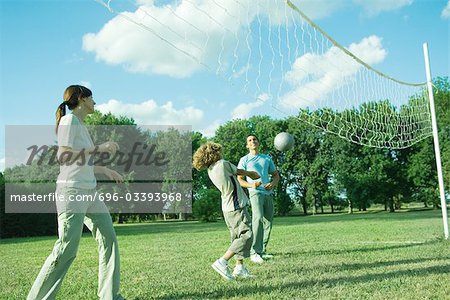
373,255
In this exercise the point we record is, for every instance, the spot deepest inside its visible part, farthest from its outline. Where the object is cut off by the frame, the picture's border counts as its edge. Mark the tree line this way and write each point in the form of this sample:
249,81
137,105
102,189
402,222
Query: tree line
322,170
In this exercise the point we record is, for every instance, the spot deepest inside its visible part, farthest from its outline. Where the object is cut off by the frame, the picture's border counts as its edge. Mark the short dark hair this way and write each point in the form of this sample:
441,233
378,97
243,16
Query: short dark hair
252,134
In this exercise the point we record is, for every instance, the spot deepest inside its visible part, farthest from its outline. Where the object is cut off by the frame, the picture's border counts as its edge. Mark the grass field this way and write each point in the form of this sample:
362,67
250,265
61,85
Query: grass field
374,255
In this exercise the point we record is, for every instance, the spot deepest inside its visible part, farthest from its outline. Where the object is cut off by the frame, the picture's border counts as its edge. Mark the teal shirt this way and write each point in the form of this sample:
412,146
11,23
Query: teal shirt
261,163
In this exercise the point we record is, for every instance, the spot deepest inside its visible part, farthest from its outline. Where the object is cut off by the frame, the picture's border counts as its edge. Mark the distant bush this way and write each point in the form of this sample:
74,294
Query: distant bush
24,225
207,205
283,204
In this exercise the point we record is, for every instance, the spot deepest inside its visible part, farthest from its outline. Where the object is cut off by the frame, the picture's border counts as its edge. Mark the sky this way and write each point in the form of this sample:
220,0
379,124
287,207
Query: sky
175,62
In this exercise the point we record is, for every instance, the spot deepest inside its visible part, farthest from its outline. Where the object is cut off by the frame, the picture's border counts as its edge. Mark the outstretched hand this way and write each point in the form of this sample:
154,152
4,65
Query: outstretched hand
256,184
268,186
109,147
253,175
113,175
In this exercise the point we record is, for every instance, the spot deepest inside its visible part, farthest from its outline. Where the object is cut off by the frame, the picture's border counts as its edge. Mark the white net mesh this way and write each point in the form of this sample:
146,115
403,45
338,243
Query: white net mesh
271,51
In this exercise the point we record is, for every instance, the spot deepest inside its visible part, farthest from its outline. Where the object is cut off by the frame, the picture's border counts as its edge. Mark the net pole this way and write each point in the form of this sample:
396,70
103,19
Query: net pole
436,141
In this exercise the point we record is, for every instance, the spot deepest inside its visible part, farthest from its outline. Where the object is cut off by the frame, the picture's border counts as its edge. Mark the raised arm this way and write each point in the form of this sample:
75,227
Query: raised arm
244,183
274,182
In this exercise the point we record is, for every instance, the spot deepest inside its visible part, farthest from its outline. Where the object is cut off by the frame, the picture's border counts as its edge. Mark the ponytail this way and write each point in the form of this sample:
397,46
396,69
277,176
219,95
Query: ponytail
72,95
60,112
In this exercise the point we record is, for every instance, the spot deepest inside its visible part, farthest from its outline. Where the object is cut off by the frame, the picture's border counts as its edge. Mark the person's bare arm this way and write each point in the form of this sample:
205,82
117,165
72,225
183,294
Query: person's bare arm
275,179
252,174
65,153
244,183
111,174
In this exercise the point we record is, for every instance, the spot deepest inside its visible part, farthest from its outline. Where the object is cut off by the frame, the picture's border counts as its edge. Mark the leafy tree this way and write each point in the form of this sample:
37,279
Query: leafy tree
232,136
207,206
422,171
442,106
423,174
177,145
200,179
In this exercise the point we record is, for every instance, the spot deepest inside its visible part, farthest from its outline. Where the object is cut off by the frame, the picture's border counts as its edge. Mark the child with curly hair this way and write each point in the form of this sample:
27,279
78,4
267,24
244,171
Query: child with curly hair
234,206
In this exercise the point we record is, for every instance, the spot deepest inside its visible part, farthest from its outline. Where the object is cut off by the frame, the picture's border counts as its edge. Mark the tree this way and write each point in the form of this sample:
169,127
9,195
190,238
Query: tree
232,136
422,170
423,173
207,206
200,179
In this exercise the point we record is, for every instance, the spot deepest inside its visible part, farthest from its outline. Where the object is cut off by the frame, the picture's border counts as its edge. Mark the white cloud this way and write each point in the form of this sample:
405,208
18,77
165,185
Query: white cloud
170,39
246,110
150,113
446,11
177,39
210,130
314,77
374,7
2,164
180,38
369,50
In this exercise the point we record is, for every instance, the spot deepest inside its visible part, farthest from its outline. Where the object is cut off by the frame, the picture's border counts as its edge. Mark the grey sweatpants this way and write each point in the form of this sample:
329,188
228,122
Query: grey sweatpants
262,220
71,216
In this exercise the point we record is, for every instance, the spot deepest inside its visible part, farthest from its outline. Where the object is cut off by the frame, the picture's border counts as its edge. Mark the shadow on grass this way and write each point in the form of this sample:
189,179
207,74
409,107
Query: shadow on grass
315,252
403,215
359,266
264,287
372,265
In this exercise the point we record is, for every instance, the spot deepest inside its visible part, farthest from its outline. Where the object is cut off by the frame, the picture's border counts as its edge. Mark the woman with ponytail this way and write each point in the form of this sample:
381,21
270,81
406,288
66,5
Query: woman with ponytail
77,179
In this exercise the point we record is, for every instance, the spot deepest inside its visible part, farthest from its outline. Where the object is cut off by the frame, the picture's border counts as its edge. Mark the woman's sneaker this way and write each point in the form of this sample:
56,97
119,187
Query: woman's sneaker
256,258
241,271
222,269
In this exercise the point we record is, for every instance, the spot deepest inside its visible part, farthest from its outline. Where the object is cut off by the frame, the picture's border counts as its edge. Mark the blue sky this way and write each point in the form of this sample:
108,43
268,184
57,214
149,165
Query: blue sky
48,45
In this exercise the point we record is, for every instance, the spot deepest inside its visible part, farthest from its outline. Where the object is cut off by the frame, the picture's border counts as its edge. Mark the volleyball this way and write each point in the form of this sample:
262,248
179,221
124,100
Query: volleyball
283,141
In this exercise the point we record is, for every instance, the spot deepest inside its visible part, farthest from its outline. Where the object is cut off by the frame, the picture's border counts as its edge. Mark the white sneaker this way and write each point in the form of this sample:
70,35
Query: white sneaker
222,270
266,256
242,272
256,258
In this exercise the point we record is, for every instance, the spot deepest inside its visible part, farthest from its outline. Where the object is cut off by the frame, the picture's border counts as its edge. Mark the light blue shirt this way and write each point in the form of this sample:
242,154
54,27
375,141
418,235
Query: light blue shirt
261,163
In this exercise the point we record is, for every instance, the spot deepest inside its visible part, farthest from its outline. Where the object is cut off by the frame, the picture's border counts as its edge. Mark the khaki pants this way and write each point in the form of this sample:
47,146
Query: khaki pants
238,222
262,219
71,216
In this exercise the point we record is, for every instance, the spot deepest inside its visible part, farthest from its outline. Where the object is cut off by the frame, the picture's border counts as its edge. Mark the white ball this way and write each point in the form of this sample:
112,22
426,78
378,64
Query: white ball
283,141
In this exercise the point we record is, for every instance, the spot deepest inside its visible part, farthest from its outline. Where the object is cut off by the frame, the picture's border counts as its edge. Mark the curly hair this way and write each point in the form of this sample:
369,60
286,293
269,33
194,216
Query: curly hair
206,155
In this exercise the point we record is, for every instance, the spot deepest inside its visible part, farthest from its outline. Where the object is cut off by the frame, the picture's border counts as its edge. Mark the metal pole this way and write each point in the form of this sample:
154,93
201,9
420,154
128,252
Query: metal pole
436,141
